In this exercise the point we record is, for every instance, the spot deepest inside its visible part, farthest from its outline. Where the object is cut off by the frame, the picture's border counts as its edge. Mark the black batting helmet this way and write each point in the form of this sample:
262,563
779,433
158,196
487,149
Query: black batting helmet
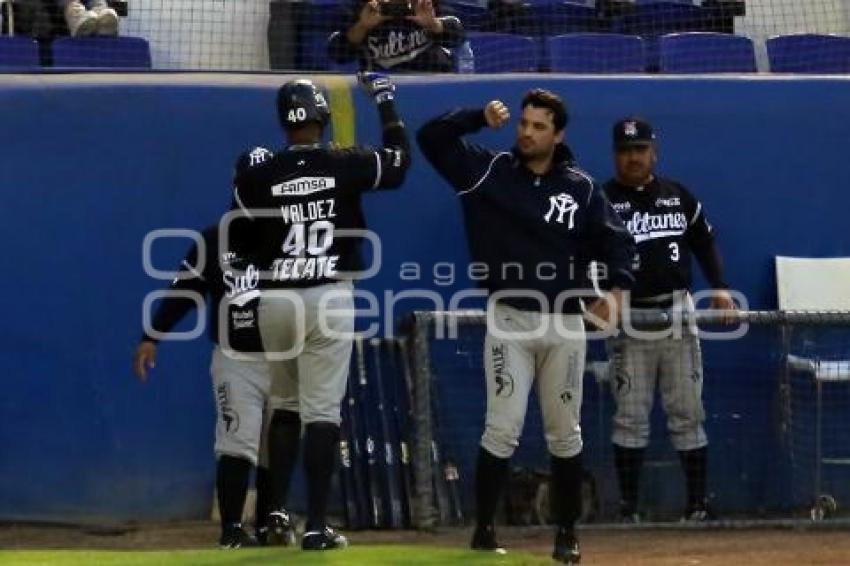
299,102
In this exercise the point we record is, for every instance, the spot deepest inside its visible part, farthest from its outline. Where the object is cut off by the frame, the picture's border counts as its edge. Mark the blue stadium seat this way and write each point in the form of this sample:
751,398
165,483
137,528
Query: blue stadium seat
596,53
809,53
322,15
473,15
503,52
555,17
18,52
707,52
659,17
102,52
315,21
652,19
313,54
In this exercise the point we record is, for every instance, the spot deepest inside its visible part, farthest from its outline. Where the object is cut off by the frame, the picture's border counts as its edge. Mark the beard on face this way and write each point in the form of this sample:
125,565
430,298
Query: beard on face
531,150
635,172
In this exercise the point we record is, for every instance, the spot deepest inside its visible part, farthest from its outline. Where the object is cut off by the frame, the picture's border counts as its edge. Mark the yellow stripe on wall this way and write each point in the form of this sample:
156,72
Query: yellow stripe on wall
342,110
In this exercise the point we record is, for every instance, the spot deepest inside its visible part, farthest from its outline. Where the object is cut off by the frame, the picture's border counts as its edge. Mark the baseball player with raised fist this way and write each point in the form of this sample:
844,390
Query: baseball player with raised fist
305,203
537,222
669,226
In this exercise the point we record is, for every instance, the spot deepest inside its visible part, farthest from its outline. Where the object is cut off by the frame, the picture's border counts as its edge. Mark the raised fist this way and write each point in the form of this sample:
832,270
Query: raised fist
496,114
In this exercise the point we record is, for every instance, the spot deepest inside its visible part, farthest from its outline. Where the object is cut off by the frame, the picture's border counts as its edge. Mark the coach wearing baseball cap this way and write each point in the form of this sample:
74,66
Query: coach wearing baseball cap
669,225
633,132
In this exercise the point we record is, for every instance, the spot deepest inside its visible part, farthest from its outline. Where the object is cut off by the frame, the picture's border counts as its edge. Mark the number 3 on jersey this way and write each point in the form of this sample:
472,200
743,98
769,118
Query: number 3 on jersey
319,238
674,251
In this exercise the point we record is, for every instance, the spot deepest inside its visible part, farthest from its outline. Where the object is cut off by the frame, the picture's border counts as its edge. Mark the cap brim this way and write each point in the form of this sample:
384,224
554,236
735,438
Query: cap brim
633,143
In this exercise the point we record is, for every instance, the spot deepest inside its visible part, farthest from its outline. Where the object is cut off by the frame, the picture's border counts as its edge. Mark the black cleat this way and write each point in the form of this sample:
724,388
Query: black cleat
698,513
484,538
281,531
234,536
566,547
629,514
326,539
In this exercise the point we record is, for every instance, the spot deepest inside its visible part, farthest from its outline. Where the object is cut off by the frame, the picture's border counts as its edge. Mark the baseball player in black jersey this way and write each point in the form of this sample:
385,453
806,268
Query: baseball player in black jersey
669,226
227,279
531,208
306,207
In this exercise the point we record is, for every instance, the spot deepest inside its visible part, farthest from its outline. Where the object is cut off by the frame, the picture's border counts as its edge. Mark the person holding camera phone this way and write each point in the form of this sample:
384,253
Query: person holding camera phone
398,35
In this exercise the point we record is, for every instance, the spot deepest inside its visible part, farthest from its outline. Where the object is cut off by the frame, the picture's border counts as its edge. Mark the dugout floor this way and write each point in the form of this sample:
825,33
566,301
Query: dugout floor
753,547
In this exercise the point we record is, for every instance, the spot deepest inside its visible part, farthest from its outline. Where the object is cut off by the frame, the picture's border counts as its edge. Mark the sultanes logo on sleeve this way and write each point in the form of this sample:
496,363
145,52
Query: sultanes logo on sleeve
303,186
242,287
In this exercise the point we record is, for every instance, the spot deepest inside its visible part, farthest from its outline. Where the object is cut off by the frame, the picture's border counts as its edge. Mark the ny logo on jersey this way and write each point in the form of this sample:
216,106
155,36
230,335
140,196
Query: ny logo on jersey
563,204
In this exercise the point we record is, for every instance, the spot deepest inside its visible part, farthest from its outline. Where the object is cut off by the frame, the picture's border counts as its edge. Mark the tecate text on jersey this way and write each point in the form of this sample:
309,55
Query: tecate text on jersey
297,268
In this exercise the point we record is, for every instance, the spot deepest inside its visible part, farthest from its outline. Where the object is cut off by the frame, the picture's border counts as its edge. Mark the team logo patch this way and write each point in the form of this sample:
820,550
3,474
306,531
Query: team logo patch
668,202
259,155
242,320
344,454
646,226
695,377
229,417
623,381
563,204
303,186
504,380
619,373
242,287
630,129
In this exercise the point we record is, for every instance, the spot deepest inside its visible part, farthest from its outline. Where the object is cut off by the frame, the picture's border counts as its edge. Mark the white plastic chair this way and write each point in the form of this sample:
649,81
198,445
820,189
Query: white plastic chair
810,284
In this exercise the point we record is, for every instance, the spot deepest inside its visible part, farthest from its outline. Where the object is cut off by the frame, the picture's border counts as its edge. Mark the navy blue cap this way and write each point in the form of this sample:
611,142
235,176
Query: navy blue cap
633,131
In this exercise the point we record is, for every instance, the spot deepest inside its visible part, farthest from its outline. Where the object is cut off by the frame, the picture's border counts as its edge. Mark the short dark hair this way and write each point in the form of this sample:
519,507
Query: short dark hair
542,98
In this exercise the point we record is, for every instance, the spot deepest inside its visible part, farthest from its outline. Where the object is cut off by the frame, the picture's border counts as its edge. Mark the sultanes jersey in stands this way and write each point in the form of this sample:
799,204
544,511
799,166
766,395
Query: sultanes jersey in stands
305,202
399,45
668,225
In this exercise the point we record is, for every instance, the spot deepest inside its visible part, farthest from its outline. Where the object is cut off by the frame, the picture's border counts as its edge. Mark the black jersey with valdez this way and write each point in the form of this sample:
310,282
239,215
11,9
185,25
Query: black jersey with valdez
223,278
669,225
534,233
399,45
305,204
